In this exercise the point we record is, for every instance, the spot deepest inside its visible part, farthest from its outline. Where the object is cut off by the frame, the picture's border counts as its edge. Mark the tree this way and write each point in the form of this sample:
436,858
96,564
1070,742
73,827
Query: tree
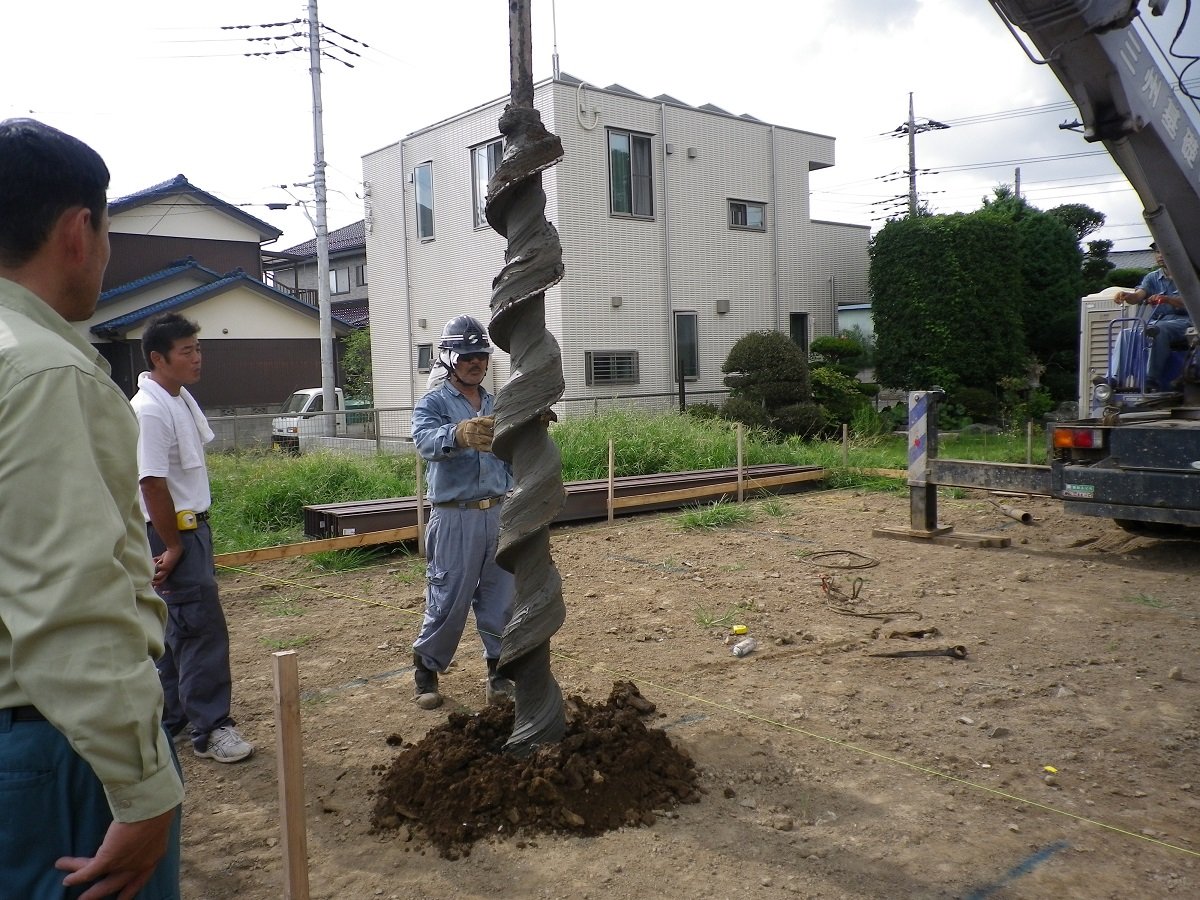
1050,265
1050,270
768,368
946,293
844,353
1096,266
768,377
356,365
1079,217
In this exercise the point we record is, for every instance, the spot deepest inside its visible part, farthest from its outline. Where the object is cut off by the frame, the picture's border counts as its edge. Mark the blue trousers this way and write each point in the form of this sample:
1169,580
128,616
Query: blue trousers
1170,328
461,574
52,805
194,669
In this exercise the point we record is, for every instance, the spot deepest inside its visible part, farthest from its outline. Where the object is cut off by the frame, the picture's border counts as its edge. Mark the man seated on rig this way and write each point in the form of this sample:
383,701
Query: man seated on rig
1168,323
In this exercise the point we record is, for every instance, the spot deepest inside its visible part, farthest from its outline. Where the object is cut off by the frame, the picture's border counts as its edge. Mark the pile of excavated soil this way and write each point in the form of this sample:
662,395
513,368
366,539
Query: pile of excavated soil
458,785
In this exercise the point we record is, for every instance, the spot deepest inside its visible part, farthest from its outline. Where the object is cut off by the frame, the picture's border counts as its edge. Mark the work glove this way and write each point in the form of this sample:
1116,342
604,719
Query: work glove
475,433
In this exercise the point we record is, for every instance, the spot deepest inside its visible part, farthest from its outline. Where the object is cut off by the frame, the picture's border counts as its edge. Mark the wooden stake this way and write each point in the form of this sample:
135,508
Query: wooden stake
611,467
290,768
845,445
741,481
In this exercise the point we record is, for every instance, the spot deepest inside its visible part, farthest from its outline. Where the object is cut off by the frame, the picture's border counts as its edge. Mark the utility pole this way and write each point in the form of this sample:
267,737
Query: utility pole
324,309
318,44
912,158
911,128
1017,182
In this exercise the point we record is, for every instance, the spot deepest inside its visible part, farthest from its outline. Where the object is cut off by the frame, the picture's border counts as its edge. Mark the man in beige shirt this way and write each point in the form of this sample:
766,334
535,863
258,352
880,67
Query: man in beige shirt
92,788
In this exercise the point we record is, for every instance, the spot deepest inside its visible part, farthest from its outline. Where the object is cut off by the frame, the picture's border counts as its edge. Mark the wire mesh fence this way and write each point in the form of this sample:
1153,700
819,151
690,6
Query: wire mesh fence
389,429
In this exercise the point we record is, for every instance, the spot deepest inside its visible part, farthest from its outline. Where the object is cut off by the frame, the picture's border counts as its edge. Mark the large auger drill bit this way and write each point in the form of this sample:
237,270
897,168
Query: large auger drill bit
516,207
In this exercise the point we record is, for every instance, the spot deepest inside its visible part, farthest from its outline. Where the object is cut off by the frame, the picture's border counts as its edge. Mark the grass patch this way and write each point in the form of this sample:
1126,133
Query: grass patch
294,643
774,507
344,560
718,514
707,619
1146,600
411,571
259,496
280,605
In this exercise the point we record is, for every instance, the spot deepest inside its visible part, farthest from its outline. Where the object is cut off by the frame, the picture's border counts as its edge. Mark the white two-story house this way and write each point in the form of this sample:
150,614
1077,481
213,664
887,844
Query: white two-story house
683,228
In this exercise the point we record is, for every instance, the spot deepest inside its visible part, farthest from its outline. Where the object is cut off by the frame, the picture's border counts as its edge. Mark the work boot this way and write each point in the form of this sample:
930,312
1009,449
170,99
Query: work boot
426,696
498,689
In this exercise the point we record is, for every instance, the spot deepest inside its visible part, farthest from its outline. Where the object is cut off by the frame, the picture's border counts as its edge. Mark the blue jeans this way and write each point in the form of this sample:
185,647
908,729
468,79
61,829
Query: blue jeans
1170,329
52,805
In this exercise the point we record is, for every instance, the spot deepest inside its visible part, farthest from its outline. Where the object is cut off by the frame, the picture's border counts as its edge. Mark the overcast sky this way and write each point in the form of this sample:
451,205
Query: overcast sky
158,88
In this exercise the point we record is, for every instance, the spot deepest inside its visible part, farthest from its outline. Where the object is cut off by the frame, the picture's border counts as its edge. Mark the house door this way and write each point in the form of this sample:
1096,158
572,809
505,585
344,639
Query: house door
687,346
798,330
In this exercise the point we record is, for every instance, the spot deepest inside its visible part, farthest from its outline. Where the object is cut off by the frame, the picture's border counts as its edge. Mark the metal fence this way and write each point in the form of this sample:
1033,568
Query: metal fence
389,430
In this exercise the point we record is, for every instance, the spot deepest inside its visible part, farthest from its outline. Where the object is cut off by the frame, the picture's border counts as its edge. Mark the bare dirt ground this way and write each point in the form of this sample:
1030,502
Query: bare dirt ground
824,771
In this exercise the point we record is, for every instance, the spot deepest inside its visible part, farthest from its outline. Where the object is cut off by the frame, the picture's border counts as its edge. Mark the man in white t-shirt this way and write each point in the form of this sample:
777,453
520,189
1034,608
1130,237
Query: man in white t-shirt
175,497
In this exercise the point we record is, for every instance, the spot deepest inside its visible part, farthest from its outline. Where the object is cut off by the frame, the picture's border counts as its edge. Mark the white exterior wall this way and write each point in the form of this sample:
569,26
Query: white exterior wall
304,276
136,300
448,276
243,314
183,216
686,258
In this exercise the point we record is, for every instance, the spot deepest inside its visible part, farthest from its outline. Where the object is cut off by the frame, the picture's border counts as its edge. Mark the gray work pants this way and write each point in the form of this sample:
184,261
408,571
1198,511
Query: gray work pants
194,669
461,574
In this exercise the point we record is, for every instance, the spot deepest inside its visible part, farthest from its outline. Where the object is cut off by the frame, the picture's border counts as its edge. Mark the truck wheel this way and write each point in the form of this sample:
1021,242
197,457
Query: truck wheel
1157,529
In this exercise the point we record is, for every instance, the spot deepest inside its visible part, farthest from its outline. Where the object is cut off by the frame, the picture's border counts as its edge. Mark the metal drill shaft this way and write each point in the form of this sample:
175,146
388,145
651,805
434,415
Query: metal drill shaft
515,208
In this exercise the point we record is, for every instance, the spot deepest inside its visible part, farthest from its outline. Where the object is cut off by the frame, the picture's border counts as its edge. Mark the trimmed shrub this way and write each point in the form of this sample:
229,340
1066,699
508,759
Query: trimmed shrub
838,394
768,367
1126,278
746,411
803,419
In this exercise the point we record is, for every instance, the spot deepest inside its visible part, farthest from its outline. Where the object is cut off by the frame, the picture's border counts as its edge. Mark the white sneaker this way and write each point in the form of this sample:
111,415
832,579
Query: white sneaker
226,745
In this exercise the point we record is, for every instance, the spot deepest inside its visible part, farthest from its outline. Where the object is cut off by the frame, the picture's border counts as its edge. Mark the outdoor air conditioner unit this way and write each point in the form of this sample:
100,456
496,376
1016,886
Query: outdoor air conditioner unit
1096,312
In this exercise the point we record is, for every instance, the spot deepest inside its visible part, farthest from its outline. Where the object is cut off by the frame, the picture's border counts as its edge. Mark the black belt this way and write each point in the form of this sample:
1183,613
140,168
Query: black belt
26,714
202,517
485,503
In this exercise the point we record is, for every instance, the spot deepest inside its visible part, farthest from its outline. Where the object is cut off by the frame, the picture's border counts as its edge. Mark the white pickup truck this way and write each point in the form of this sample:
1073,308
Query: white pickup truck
298,417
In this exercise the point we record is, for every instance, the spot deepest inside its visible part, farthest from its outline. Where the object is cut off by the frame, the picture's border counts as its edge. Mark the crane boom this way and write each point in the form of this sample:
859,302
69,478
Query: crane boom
1127,102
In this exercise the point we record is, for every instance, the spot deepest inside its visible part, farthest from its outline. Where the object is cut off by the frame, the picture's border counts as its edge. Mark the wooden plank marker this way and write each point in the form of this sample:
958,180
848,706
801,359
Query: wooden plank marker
290,767
305,548
741,474
611,491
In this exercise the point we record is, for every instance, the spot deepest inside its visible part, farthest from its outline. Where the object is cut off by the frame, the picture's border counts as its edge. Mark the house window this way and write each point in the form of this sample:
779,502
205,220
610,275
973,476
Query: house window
485,159
360,275
687,346
424,357
630,175
339,281
423,188
747,216
611,367
798,330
